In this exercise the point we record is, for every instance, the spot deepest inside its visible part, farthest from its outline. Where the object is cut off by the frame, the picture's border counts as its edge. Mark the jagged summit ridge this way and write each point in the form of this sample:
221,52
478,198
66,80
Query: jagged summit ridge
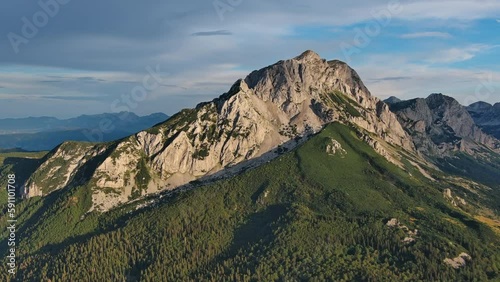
269,108
308,56
439,126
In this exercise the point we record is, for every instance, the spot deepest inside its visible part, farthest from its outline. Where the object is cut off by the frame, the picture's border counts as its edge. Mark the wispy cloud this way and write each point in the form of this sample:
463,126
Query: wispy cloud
212,33
389,78
31,97
454,55
459,83
427,34
59,79
108,55
73,98
89,78
51,81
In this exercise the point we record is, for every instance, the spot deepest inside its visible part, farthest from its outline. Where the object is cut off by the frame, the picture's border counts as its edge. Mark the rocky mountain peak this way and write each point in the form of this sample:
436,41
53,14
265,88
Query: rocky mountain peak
392,100
307,76
439,99
450,110
312,91
487,116
439,125
308,57
271,109
479,106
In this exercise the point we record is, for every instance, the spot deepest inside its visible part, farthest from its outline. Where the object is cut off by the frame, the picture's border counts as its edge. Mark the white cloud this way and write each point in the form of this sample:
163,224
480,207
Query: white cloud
116,48
423,80
450,9
435,34
456,54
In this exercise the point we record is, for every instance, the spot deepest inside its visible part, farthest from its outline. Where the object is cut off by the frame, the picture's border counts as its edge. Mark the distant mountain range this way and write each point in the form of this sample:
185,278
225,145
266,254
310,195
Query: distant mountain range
487,116
484,115
45,133
439,126
392,100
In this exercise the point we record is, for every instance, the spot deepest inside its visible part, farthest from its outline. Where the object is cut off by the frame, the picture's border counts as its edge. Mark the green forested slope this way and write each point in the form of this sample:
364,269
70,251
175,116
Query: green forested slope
306,216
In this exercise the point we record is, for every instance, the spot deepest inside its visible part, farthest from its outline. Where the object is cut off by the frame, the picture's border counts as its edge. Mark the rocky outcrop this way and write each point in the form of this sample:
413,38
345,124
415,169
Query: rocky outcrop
270,107
439,126
454,200
459,261
334,147
487,117
411,235
66,165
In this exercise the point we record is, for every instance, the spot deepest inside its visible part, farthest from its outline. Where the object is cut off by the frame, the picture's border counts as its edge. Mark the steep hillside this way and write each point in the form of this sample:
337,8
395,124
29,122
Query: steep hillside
22,163
272,107
332,208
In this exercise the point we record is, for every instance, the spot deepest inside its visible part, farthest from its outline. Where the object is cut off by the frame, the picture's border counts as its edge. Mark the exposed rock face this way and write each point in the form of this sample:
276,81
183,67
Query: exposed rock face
269,107
439,125
335,148
487,117
447,193
459,261
61,167
392,222
411,234
455,201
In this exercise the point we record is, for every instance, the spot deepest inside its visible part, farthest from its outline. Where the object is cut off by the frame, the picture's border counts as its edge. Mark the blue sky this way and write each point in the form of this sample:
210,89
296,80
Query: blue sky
85,55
